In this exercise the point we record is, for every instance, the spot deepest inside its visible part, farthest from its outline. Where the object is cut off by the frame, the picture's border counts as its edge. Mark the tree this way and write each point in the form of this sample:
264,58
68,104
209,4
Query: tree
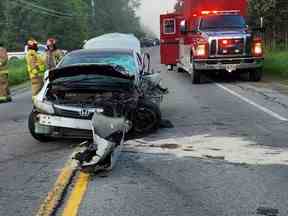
70,21
178,5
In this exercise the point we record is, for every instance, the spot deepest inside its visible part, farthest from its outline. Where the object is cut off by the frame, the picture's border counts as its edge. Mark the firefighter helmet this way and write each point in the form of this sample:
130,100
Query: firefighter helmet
51,41
32,44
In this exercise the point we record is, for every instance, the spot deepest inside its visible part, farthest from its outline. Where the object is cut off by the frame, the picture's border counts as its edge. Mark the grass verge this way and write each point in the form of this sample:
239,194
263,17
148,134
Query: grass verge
17,72
276,64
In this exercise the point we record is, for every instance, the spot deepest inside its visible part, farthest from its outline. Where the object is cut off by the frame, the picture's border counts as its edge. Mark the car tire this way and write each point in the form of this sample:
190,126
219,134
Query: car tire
31,126
180,70
13,58
147,118
256,75
196,77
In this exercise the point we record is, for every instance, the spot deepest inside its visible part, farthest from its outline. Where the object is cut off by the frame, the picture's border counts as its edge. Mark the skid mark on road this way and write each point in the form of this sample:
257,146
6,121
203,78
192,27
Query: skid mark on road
207,146
265,110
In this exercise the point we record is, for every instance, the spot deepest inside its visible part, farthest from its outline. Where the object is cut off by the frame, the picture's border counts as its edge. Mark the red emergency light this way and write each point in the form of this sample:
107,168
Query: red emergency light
208,12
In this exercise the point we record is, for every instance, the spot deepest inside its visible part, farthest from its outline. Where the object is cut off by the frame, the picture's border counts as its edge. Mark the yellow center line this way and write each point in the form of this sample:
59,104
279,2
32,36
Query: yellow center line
77,195
55,195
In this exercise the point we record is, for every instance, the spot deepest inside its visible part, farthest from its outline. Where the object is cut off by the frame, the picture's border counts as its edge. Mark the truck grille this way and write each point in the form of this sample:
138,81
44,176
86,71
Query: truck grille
249,46
213,49
231,47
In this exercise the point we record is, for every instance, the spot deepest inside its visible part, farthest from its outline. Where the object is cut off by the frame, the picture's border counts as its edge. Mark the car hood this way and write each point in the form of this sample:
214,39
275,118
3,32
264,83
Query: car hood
76,70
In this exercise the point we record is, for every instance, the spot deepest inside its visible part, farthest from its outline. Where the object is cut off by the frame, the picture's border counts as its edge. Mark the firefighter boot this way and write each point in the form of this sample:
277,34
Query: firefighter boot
4,89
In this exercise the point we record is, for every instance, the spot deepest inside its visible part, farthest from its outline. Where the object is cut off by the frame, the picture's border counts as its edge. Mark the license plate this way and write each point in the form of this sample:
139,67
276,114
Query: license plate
231,67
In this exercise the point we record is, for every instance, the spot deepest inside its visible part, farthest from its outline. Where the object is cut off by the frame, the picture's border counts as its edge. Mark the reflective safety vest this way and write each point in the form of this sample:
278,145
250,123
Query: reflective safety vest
35,64
3,61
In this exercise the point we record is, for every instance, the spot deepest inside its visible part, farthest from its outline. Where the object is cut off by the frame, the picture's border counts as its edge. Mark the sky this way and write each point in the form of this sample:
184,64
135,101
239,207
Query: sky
150,11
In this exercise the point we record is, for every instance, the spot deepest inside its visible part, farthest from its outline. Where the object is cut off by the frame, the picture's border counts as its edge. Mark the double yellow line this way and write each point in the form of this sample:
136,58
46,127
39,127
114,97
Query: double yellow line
55,196
77,195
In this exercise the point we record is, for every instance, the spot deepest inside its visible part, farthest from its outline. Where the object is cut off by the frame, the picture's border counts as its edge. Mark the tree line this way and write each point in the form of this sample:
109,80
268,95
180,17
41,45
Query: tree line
275,21
69,21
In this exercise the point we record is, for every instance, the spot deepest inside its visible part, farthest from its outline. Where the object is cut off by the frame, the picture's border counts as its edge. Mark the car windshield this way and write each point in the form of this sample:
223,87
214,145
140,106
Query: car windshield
124,60
222,21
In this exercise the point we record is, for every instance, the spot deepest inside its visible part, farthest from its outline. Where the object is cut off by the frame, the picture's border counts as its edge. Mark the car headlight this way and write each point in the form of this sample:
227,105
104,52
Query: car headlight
44,107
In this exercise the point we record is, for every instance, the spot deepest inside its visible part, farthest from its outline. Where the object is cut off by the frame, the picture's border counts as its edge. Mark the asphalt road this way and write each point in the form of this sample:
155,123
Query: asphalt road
226,156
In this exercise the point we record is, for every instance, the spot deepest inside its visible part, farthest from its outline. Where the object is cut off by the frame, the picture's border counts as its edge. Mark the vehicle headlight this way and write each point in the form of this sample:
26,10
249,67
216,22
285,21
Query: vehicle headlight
44,106
201,51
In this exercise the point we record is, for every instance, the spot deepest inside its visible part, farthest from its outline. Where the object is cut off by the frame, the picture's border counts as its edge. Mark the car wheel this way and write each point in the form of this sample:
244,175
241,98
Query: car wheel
180,70
256,75
147,118
31,126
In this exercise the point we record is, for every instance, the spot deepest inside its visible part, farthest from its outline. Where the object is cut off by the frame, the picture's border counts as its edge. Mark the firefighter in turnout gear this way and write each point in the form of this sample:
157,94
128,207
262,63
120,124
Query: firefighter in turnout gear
4,83
53,55
35,67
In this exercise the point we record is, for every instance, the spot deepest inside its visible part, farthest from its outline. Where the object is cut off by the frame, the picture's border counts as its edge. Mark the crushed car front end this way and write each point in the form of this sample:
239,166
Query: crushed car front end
71,96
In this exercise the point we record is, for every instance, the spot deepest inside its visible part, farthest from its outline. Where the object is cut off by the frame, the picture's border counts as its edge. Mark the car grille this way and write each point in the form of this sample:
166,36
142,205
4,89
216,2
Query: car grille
73,113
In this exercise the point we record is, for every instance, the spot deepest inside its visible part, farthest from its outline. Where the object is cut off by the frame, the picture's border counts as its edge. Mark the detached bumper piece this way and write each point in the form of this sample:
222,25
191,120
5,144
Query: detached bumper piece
108,139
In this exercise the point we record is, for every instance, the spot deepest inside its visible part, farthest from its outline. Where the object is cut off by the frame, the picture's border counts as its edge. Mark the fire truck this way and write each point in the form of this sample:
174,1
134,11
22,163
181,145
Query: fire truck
209,36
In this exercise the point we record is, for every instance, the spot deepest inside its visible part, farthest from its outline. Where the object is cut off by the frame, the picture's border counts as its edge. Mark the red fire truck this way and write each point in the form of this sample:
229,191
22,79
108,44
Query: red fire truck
211,36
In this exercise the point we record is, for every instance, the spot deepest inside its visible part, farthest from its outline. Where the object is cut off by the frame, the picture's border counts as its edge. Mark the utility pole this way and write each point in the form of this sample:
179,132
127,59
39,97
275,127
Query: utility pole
93,14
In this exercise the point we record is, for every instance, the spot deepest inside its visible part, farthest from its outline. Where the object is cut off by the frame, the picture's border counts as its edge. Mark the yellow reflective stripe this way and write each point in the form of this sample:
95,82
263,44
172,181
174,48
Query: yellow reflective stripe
4,98
4,71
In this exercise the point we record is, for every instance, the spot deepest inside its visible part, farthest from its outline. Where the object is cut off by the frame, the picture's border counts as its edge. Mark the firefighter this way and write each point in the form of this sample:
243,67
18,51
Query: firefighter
35,66
53,55
4,84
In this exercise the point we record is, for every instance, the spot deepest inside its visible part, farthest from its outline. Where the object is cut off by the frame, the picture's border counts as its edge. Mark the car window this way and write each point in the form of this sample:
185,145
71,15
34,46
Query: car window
125,60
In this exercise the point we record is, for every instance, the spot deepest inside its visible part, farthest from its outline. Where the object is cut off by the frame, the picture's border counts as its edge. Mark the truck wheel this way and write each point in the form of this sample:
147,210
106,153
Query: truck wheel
256,75
170,67
147,118
31,126
196,77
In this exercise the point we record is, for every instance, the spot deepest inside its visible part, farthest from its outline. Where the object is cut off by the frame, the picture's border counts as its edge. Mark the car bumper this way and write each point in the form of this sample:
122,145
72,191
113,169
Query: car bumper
62,127
63,122
228,64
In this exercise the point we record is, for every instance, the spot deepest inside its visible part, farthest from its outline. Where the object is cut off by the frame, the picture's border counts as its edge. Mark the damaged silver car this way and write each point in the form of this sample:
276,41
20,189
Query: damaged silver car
106,84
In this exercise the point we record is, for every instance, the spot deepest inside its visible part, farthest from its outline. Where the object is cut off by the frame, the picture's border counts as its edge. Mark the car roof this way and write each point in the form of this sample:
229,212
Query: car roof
114,41
93,51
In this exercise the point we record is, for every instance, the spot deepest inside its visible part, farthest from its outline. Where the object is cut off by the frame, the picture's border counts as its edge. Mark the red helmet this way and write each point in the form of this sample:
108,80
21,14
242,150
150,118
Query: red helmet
32,44
51,41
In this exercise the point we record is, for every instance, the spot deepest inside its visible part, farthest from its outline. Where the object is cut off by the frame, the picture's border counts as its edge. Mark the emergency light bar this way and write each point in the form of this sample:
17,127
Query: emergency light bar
227,12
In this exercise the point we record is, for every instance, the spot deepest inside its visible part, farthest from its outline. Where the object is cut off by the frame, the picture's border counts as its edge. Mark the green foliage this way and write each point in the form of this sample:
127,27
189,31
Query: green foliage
17,72
276,63
70,21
